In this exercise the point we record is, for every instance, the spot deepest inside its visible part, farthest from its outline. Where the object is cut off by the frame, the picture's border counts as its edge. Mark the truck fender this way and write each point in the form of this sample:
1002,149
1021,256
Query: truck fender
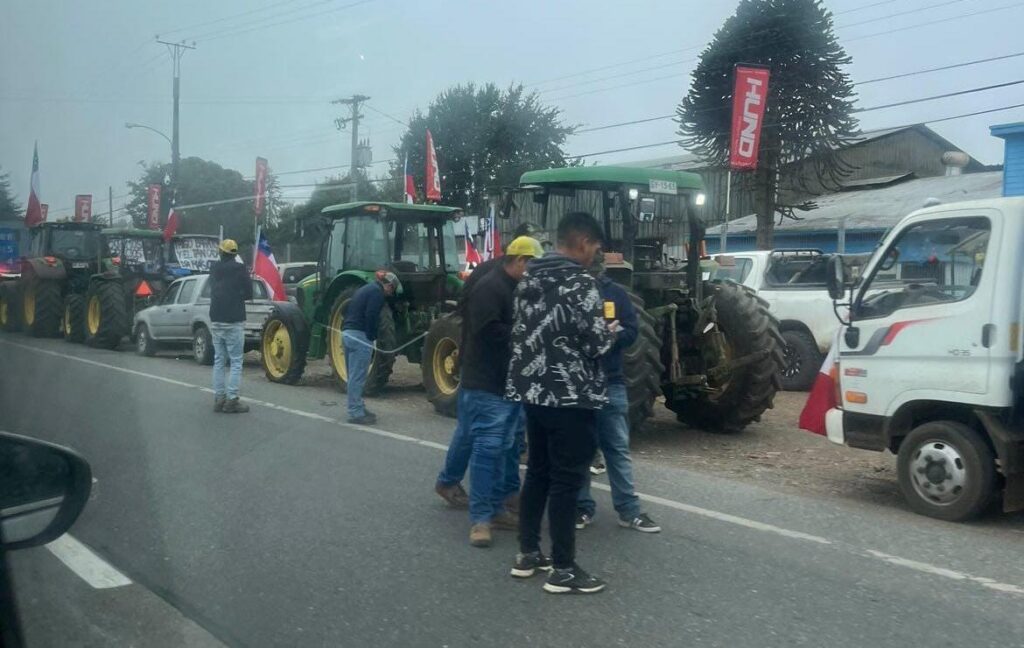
43,269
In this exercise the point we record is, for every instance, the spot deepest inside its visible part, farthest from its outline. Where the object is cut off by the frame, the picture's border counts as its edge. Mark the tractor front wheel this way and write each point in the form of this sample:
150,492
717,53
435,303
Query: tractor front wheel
73,324
106,314
9,307
283,349
381,364
441,363
41,307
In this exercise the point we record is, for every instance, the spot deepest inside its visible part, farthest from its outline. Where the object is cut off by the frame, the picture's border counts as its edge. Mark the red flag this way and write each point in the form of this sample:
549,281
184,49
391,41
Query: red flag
83,208
823,394
264,266
261,185
153,206
433,184
172,225
473,257
34,213
748,105
410,185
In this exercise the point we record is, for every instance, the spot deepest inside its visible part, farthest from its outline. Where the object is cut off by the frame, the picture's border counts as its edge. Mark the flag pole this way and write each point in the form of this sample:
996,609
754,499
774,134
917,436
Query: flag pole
723,238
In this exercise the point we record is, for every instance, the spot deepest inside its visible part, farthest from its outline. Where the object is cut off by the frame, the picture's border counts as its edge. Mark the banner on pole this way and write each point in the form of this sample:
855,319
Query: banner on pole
83,208
153,206
749,96
261,185
433,183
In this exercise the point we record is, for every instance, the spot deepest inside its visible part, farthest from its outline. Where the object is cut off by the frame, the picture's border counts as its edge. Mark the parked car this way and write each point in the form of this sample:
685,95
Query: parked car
182,317
293,273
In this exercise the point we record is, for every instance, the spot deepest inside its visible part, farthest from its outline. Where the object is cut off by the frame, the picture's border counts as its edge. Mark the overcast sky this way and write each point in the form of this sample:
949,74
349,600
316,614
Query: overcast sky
262,74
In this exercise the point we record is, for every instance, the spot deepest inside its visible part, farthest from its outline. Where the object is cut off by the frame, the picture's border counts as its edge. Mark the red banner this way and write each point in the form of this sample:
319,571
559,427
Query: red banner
433,183
748,106
261,185
83,208
153,206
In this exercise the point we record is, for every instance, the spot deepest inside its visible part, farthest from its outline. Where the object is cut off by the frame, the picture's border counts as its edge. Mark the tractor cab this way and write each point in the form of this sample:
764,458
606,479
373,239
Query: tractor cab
78,247
138,256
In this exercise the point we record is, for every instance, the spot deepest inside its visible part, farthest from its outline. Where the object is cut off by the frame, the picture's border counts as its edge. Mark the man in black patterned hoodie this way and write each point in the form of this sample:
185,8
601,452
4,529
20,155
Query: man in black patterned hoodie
558,335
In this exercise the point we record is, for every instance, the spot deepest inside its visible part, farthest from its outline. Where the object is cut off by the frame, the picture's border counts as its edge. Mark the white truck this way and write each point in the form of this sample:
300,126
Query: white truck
929,361
793,282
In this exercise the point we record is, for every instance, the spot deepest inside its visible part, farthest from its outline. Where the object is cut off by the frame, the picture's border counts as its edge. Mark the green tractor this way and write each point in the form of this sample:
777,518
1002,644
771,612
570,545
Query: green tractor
417,243
711,348
54,279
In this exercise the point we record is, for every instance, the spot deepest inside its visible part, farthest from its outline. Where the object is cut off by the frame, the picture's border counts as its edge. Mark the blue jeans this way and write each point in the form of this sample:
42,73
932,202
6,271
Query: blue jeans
456,461
358,354
228,344
613,439
491,423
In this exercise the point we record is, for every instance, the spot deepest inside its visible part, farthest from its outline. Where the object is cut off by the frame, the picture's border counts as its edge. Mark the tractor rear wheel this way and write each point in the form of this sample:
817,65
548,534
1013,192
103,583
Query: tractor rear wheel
9,307
740,397
41,307
283,348
106,314
642,367
381,364
73,323
440,363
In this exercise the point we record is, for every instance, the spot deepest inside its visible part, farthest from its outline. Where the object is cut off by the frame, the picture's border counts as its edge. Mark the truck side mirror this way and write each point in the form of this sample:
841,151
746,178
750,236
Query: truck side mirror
836,278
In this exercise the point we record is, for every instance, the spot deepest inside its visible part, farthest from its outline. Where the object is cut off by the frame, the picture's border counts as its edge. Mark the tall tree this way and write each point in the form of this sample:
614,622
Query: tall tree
9,209
485,138
809,105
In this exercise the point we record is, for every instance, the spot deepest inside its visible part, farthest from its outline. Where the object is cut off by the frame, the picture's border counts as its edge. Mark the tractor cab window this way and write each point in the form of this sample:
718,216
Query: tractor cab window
135,251
416,246
75,244
934,262
357,243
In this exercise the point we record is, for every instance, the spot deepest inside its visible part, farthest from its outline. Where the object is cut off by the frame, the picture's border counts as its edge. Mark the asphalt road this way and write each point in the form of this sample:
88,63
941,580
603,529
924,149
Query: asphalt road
287,527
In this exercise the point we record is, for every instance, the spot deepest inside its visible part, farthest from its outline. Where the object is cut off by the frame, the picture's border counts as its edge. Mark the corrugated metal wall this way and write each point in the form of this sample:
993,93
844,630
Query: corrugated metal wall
1013,170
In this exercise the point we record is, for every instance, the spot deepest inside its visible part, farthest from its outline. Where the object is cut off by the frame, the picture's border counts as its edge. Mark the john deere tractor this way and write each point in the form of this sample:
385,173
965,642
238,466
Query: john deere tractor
710,347
54,278
416,242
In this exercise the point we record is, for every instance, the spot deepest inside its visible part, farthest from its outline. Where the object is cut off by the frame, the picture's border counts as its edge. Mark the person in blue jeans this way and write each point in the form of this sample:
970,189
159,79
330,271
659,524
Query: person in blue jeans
613,418
359,331
230,288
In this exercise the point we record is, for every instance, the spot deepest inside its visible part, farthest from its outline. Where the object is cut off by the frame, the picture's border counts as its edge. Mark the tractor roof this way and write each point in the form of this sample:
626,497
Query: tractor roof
70,225
611,177
132,232
395,211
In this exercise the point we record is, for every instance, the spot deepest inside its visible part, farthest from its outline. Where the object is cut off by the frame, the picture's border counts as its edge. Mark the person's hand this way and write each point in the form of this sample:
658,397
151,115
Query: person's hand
614,326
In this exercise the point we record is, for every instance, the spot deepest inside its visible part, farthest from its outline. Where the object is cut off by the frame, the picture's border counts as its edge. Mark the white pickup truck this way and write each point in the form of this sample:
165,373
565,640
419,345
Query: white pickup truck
793,282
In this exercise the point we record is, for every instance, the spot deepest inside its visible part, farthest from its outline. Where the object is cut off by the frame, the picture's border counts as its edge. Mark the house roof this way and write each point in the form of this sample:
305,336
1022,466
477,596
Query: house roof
880,208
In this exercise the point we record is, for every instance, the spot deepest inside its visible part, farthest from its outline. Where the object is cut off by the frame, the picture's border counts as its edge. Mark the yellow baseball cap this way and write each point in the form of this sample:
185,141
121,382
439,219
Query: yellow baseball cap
228,246
525,246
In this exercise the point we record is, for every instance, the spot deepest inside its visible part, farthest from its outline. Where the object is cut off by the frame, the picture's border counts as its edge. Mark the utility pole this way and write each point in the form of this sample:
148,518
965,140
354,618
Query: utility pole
110,204
177,50
341,123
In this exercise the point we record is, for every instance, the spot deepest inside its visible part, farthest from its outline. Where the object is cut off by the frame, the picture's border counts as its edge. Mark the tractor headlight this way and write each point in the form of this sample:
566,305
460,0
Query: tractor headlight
700,199
634,194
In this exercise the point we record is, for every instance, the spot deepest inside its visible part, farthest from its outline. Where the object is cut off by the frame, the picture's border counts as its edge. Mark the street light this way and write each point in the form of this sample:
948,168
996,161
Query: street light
173,184
149,128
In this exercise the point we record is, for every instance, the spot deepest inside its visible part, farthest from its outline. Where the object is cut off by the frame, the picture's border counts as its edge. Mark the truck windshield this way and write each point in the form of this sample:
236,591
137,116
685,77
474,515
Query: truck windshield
75,244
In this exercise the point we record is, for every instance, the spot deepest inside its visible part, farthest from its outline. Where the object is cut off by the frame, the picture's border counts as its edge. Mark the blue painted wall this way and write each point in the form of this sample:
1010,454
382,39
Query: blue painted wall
1013,157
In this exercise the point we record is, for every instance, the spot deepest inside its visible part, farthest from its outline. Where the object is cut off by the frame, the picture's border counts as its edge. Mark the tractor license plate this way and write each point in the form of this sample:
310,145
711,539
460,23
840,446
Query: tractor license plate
663,187
80,264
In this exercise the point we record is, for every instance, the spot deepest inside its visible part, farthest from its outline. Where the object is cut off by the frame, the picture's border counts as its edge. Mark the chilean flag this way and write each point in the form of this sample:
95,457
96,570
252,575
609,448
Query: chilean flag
473,258
34,211
265,267
410,185
172,225
492,238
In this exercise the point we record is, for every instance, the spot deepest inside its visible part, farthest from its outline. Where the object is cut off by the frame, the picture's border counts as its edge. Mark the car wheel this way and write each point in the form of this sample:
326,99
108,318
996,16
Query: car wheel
144,344
202,346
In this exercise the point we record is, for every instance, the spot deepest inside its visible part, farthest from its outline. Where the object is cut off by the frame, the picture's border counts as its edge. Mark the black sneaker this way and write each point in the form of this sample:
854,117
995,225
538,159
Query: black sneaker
365,419
583,520
642,522
572,581
528,564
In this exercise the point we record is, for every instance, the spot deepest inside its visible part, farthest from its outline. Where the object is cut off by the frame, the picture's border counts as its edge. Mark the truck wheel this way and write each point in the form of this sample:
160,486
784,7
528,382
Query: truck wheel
202,345
946,470
739,398
381,364
9,310
440,363
283,348
144,344
73,323
41,308
642,367
106,314
802,361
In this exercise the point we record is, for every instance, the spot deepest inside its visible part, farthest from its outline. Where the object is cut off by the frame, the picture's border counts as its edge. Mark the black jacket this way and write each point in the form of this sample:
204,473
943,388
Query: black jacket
363,311
230,288
558,337
487,333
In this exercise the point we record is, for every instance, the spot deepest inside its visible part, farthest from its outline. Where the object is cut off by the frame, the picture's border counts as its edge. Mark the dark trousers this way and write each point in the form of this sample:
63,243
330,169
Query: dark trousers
562,443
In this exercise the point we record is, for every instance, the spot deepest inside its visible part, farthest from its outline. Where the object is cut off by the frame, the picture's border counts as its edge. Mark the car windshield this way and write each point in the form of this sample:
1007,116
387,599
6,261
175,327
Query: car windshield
75,244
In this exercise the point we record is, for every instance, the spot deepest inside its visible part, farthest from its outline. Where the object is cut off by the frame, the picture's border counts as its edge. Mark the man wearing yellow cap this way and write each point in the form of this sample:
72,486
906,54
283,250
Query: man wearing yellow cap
230,288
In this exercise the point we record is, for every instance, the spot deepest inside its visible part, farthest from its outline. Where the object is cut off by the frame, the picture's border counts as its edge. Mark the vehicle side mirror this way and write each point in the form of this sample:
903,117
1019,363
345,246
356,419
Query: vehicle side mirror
836,278
43,489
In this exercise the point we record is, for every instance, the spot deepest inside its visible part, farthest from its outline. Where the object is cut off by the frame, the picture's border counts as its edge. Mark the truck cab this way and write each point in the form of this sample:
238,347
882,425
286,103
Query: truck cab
928,363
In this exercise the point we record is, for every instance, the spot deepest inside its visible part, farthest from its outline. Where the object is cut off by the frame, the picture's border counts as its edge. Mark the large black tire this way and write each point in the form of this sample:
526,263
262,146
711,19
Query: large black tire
749,328
10,307
440,363
802,360
951,456
73,322
642,366
145,345
284,346
202,345
381,364
106,314
42,306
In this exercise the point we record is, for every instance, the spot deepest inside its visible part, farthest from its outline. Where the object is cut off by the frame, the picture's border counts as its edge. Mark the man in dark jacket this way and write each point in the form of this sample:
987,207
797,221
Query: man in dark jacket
613,418
230,288
558,339
359,332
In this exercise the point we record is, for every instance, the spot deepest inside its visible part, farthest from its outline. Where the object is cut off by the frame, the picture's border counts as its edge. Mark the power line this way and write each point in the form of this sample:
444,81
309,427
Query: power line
216,35
936,22
226,18
381,112
940,69
867,6
940,96
901,13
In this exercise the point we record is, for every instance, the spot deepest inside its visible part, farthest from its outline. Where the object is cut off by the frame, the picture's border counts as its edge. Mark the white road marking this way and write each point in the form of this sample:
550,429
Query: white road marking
91,568
679,506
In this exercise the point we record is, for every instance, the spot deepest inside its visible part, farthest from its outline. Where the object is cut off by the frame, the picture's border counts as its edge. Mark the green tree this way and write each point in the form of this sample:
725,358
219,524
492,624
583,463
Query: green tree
808,109
485,139
9,208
